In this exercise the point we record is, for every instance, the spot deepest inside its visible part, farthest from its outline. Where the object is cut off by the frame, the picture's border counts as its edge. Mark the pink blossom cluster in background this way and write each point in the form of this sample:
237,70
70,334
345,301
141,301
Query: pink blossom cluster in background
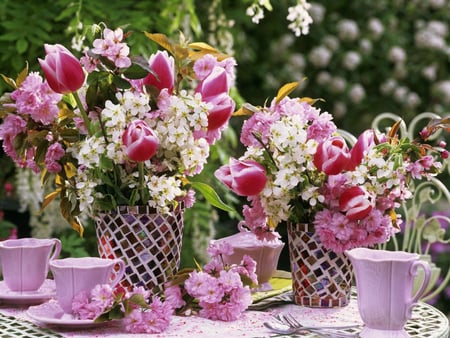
218,288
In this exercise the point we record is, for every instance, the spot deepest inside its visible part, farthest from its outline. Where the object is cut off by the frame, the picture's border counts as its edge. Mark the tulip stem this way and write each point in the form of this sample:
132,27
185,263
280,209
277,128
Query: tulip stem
83,112
141,182
259,139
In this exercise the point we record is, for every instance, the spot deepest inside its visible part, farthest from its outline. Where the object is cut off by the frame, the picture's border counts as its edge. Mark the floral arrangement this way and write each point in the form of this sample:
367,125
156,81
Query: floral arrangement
298,168
114,129
217,291
141,312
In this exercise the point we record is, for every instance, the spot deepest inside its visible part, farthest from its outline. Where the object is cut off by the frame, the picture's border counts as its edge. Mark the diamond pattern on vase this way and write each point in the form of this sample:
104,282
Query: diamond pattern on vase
149,243
320,277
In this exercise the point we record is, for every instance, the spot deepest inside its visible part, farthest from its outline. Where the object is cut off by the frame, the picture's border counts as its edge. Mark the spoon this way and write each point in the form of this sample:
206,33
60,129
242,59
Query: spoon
286,329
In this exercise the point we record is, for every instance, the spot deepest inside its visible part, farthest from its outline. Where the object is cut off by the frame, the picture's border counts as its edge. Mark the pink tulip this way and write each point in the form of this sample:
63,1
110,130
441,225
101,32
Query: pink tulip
62,69
356,203
223,107
332,156
214,89
214,84
245,178
365,141
140,141
163,67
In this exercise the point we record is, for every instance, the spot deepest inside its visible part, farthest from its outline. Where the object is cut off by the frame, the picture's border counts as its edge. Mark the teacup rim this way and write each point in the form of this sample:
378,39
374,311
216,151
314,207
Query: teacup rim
71,262
26,242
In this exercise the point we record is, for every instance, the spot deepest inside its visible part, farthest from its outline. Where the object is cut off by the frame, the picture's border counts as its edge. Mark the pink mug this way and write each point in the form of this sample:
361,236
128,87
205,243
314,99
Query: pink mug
25,261
384,282
74,275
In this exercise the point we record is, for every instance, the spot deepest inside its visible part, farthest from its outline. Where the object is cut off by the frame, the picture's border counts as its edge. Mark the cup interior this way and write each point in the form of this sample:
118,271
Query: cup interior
26,242
81,262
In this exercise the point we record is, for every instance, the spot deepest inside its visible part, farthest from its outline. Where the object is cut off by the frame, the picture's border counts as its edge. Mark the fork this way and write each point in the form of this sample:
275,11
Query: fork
294,323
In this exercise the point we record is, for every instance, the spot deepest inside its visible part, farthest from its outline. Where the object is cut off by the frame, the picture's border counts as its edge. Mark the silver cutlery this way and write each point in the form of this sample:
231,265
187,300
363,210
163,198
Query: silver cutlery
284,329
290,320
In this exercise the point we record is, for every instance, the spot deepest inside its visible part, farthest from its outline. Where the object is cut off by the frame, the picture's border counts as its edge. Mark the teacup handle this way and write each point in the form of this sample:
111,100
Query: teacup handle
56,248
427,274
117,277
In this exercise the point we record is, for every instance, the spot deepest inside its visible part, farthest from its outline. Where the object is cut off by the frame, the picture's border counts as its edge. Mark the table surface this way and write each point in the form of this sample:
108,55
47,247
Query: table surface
426,321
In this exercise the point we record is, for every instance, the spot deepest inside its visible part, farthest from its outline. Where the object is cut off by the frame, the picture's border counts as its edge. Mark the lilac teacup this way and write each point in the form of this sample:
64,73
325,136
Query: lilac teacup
384,281
75,275
25,261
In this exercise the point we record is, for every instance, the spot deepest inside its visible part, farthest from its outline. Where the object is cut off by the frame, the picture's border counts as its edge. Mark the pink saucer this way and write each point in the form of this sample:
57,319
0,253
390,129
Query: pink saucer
51,313
45,292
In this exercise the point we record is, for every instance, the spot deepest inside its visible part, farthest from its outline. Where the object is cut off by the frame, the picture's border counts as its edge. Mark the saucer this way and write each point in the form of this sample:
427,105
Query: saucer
44,293
51,313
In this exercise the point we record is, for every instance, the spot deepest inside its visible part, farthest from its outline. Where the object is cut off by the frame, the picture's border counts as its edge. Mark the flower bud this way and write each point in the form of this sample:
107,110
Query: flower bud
214,84
163,71
223,107
62,69
245,178
356,203
365,141
332,156
140,141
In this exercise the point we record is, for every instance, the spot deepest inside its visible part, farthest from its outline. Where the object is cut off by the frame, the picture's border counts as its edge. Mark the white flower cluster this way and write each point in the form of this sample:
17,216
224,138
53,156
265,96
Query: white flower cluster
298,15
300,18
292,154
178,125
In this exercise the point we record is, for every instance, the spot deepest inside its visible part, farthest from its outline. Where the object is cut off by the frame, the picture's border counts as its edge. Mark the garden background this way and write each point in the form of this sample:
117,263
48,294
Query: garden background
361,57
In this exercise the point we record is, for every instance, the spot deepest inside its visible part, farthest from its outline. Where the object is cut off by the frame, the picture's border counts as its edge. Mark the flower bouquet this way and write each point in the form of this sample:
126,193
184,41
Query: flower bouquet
113,129
298,168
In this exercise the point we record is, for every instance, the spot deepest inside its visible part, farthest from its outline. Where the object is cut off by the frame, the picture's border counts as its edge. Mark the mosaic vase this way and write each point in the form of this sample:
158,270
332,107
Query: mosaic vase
148,242
320,277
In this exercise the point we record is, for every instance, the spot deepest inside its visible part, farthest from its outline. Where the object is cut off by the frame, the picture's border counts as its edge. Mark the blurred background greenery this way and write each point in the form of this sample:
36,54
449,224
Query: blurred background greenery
362,57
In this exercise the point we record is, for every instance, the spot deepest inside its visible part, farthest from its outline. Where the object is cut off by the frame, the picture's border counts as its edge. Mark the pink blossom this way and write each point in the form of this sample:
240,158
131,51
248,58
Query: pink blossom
214,266
217,248
173,296
11,127
257,124
35,98
54,153
229,280
189,198
204,66
111,47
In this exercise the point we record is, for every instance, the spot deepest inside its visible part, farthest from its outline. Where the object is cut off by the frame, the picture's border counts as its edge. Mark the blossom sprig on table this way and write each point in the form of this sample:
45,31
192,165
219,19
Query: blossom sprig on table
139,310
115,129
298,168
217,291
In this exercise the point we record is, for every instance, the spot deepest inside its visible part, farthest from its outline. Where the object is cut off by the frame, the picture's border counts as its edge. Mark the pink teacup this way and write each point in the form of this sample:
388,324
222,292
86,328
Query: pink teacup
265,253
25,261
384,281
74,275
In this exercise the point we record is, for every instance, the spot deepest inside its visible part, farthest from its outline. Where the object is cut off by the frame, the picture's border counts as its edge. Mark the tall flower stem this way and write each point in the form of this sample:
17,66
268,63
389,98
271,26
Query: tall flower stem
83,112
141,183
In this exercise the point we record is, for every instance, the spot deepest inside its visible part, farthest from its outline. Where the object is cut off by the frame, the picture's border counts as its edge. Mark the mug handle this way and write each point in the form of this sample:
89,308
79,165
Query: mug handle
56,248
117,275
427,274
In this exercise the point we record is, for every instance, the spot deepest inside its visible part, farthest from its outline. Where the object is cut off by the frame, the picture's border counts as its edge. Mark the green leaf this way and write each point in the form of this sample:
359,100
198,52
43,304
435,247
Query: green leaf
21,45
211,196
136,71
